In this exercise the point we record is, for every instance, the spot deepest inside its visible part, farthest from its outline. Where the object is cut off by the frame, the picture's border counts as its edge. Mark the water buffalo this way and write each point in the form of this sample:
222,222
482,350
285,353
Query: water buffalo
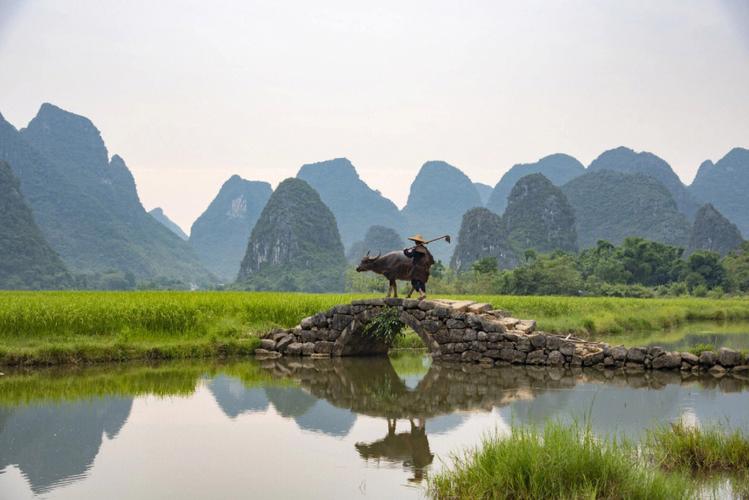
393,265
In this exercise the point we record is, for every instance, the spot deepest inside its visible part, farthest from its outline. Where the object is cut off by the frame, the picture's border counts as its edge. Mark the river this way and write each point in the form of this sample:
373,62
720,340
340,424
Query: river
293,428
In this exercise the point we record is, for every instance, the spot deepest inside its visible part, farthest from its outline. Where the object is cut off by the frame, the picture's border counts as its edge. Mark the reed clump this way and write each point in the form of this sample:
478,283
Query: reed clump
558,462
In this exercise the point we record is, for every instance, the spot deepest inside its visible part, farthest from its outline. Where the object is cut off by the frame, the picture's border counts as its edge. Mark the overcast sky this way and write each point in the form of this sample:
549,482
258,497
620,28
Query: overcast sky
190,92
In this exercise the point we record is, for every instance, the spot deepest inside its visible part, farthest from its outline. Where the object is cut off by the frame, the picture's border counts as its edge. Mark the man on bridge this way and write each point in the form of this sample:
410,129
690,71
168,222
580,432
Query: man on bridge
422,260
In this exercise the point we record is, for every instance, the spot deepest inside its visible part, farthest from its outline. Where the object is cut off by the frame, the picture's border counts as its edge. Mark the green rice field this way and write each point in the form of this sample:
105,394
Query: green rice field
74,327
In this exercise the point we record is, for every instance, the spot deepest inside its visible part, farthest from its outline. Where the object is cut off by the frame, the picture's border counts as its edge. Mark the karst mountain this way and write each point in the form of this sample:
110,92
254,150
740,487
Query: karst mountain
440,195
295,244
539,217
725,185
559,168
158,214
482,235
219,236
86,203
625,160
355,205
27,262
378,240
611,206
713,232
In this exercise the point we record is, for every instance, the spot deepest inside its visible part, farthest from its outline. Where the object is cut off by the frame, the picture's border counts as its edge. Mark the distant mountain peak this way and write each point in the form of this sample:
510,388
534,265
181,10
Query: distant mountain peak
354,203
158,214
559,168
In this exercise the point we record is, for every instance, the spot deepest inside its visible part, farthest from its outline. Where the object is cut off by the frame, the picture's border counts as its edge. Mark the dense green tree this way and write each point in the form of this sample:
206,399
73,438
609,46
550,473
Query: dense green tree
651,263
704,267
546,275
487,265
736,265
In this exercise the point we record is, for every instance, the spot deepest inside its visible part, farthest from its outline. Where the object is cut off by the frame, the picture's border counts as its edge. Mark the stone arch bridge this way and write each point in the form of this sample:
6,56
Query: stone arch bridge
466,331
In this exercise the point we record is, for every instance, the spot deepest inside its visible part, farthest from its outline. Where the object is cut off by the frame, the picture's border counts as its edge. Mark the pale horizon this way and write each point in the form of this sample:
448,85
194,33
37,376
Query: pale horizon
190,94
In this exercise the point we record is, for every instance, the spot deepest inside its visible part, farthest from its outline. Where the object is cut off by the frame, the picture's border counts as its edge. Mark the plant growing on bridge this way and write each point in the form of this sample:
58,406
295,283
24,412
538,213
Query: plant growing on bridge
386,326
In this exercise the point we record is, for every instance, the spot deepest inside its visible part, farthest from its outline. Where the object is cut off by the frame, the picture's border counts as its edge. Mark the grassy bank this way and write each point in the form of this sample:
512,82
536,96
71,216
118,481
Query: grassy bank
558,462
570,462
77,327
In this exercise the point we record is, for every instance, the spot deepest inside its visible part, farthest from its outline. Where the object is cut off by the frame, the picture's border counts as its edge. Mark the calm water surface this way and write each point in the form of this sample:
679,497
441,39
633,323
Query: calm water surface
349,428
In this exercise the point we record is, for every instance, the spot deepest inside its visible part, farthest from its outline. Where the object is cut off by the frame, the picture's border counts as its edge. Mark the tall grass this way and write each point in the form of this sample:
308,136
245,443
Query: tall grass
701,450
559,462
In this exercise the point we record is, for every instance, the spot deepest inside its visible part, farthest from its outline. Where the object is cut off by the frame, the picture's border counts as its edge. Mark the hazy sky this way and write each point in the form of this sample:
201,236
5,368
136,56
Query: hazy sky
190,92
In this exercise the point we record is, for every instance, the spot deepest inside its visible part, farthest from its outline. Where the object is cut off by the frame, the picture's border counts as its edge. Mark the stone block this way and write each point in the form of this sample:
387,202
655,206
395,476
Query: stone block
567,348
690,358
320,355
538,341
479,308
417,313
393,302
537,357
266,354
507,354
283,342
319,320
426,305
509,323
324,347
592,358
482,336
492,353
470,335
268,344
440,312
728,357
655,351
470,356
636,354
306,323
555,358
523,345
455,323
457,335
410,304
667,360
511,337
619,353
294,349
553,342
431,325
459,347
708,358
343,309
308,348
526,326
340,321
519,357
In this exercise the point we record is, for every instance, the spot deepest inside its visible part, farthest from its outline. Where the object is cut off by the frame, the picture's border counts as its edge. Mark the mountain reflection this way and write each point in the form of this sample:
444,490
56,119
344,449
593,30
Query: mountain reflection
51,444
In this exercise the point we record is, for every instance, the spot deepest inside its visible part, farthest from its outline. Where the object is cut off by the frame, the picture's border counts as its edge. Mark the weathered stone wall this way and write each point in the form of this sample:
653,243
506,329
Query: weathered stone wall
471,332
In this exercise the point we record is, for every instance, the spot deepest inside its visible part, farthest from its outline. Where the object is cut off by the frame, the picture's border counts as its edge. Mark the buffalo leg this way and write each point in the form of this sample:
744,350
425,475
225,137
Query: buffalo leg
394,286
410,292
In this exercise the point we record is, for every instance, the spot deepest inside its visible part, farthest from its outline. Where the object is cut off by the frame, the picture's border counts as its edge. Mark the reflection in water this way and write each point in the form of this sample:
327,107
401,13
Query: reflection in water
55,442
235,398
410,448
